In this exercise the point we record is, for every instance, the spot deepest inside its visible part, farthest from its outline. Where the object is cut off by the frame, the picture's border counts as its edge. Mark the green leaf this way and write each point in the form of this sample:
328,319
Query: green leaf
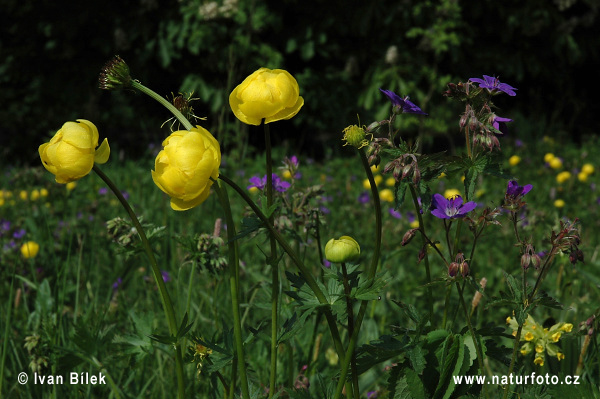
543,299
249,225
452,361
404,383
416,355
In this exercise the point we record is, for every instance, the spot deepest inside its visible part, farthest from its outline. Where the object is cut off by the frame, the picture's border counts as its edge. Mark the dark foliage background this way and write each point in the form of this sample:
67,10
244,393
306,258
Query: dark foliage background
341,52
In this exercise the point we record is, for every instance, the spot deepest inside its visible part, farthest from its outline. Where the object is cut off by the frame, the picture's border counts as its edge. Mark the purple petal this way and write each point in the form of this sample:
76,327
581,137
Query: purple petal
526,188
411,108
439,214
393,97
466,208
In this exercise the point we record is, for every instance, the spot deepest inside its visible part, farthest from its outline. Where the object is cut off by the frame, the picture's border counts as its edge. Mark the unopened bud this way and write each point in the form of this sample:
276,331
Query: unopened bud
536,260
463,121
473,123
464,269
416,177
453,269
422,254
373,126
406,170
525,261
408,236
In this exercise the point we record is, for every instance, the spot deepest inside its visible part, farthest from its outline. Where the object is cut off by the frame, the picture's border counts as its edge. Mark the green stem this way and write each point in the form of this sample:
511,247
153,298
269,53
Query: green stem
470,325
164,102
273,263
370,274
350,312
468,141
310,280
9,305
234,265
162,289
413,193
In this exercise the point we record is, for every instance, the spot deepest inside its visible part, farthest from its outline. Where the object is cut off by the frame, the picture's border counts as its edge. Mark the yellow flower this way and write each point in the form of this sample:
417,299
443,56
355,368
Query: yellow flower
508,320
442,175
331,356
269,94
414,224
556,336
587,168
560,356
185,165
567,327
346,249
539,348
555,163
367,184
563,176
390,182
582,176
30,249
1,201
23,195
528,336
71,186
44,192
253,190
386,195
514,160
548,157
286,174
375,168
539,361
71,153
451,192
559,203
35,195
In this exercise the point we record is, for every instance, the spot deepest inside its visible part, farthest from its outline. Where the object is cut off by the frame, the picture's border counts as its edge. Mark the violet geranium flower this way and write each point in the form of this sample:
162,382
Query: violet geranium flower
499,123
278,184
403,104
450,208
515,191
493,84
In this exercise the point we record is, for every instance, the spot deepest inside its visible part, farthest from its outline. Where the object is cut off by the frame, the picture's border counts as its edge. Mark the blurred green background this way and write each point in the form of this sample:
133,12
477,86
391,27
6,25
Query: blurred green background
341,52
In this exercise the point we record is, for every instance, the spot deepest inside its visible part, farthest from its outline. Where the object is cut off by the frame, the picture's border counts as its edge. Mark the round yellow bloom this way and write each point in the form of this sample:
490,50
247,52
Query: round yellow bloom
555,163
44,192
71,186
548,157
35,195
414,224
528,336
451,192
269,94
367,184
30,249
375,168
582,177
71,153
386,195
346,249
559,203
184,166
514,160
567,327
442,175
587,168
253,190
390,182
286,174
23,195
563,177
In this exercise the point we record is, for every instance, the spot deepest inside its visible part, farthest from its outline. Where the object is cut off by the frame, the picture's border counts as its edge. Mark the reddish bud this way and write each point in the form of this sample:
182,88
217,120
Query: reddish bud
408,236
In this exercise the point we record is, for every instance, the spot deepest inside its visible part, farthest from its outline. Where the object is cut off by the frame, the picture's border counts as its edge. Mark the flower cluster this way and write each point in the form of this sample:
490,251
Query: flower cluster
539,339
258,183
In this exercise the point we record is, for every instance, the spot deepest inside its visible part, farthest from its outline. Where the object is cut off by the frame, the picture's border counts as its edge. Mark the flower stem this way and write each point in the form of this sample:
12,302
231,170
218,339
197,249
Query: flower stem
234,265
162,289
137,85
471,330
273,263
310,280
468,142
413,193
350,312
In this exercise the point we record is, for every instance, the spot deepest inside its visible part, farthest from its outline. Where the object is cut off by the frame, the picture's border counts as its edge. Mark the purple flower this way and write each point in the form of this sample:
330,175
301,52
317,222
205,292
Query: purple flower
515,191
326,264
117,283
364,198
278,184
19,234
102,191
125,194
257,182
493,84
4,225
499,123
450,208
403,104
395,213
165,275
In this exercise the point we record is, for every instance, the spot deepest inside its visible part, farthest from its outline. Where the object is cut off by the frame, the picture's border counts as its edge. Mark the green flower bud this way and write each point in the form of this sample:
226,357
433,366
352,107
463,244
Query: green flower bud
346,249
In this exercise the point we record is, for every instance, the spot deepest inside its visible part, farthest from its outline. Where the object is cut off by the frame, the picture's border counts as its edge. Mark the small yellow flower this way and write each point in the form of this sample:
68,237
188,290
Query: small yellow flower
539,361
479,193
386,195
555,163
35,195
375,168
331,356
548,157
390,182
587,168
567,327
286,174
367,185
539,348
451,192
30,249
23,195
560,356
44,192
582,176
514,160
563,177
508,320
462,179
1,201
556,336
71,186
253,190
559,203
414,224
529,336
442,175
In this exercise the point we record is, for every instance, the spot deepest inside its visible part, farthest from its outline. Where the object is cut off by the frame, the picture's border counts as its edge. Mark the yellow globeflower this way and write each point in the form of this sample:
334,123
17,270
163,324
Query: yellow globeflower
71,186
451,192
514,160
548,157
555,163
44,192
414,224
286,174
30,249
386,195
269,94
582,177
390,182
367,184
23,195
72,152
253,190
375,168
346,249
559,203
563,177
587,168
185,166
35,195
